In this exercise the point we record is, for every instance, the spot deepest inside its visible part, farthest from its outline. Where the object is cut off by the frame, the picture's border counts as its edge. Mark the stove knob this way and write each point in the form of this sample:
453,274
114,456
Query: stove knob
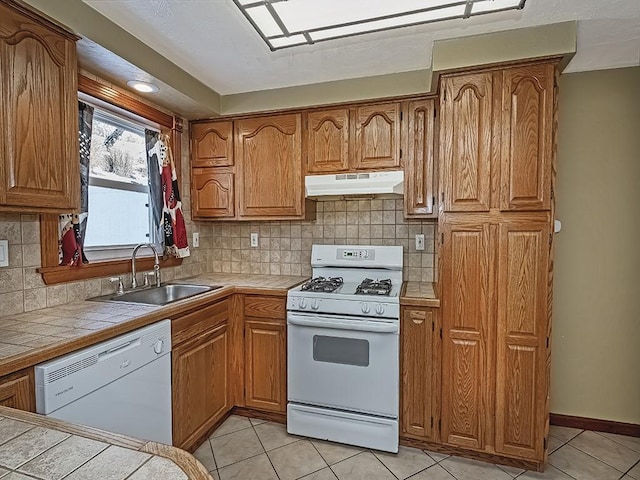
379,309
365,307
303,303
315,305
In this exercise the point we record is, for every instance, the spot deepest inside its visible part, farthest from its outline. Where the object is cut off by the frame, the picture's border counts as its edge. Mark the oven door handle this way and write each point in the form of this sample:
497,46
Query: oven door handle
363,326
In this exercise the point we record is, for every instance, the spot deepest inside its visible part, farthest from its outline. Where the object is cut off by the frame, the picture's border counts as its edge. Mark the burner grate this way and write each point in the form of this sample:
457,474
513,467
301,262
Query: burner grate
322,284
374,287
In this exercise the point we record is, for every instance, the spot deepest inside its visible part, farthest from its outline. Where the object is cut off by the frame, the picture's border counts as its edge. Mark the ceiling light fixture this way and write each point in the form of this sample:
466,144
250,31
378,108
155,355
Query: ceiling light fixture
289,23
144,87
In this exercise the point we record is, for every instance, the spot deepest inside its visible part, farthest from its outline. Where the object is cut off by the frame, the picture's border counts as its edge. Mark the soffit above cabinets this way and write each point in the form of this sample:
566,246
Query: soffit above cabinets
212,41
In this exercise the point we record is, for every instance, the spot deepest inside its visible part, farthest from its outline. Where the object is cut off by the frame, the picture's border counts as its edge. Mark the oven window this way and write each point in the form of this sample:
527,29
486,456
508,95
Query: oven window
346,351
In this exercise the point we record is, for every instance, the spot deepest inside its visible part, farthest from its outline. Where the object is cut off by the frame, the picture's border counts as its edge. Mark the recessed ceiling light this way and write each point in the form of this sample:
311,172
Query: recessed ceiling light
144,87
288,23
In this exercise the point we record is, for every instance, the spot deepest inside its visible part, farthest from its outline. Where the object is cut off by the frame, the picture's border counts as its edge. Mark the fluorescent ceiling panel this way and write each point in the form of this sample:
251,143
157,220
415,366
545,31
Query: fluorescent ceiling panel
288,23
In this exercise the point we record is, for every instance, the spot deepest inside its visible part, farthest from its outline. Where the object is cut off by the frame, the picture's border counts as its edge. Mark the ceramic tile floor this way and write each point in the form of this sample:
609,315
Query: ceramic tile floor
250,449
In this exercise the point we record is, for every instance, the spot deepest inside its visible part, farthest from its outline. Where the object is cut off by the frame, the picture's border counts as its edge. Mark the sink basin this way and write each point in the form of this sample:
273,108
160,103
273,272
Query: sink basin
159,295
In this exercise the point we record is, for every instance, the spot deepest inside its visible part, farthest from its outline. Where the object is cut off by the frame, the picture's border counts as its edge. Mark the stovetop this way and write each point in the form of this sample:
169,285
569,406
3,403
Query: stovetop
322,284
351,280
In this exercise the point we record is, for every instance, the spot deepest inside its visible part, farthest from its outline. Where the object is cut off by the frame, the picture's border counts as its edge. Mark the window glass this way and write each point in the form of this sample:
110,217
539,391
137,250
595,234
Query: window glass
119,215
345,351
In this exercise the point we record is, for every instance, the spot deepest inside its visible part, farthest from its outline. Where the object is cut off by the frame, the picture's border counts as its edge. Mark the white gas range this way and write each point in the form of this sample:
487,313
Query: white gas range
343,347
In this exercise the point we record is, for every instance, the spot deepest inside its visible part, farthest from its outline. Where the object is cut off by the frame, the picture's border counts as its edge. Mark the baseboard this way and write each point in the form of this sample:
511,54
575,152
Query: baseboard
277,417
595,424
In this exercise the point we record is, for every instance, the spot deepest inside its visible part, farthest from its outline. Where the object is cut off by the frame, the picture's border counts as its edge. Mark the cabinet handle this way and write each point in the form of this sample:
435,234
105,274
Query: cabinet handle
417,317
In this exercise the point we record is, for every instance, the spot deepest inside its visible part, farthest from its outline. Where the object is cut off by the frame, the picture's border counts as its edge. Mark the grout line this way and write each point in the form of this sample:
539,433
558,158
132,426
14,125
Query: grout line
591,455
265,450
614,440
383,464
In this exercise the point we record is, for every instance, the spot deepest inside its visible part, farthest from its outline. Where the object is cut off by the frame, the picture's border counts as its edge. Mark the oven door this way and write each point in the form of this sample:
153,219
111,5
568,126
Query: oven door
346,363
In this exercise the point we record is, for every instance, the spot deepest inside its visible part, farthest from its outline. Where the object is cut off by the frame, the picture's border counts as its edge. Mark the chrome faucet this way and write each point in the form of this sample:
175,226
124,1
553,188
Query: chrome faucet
156,264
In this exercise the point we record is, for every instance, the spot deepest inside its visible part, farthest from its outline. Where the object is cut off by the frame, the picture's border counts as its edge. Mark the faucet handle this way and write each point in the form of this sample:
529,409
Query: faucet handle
145,278
120,287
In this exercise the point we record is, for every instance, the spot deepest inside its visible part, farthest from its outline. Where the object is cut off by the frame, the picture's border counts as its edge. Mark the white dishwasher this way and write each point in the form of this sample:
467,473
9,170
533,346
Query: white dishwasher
122,385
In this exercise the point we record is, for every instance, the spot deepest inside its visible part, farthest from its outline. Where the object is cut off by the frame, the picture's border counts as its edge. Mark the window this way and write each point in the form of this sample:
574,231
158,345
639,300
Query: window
119,213
130,110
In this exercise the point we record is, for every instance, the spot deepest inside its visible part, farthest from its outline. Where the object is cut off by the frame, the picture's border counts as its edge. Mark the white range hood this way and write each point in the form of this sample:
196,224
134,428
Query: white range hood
341,184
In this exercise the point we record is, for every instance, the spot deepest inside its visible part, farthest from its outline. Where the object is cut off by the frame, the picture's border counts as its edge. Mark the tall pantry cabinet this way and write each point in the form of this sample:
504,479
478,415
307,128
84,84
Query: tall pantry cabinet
497,152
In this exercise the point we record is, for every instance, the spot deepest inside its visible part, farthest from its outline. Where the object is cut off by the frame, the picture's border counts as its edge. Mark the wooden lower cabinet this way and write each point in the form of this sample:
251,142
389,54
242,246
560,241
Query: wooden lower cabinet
420,367
17,391
265,346
495,284
200,385
523,330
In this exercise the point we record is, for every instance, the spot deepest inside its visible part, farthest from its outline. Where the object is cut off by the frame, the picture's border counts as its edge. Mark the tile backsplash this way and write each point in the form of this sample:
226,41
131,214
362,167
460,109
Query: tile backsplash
285,247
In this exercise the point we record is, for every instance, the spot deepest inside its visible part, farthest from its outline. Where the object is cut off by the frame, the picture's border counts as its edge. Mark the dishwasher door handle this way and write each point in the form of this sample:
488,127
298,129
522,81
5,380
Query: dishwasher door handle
112,352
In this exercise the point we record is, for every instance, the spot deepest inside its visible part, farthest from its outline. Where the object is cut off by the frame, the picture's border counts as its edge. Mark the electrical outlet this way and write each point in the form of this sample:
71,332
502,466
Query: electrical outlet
196,239
4,253
420,241
254,239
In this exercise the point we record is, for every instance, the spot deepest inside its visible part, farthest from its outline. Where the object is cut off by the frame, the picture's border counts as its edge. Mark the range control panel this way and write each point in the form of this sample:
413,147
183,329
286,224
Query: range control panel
356,254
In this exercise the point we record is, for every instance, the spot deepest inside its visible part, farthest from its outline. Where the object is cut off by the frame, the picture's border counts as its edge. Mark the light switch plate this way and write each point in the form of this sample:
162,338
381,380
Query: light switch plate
196,239
420,241
254,240
4,253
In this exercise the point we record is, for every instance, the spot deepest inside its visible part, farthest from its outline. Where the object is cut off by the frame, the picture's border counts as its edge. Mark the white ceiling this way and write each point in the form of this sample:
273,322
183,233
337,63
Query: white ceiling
211,40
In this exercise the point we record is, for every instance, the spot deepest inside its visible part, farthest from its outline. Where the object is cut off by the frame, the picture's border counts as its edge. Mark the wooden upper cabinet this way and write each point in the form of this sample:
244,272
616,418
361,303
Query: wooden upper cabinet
212,144
269,171
522,333
39,156
466,141
527,139
420,373
212,193
327,141
377,137
420,179
465,308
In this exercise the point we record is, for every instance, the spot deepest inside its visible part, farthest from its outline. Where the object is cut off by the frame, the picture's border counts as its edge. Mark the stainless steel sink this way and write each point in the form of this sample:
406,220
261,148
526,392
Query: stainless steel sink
158,295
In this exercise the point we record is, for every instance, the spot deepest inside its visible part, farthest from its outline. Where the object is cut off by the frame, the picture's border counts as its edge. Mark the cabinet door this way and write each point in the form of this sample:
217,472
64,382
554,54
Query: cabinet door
212,193
419,373
465,318
265,366
269,166
17,391
39,156
377,137
327,141
212,144
465,142
522,331
420,159
200,385
527,126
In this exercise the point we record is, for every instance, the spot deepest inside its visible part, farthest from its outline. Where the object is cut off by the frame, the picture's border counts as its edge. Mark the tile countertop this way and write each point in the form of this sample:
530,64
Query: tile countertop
30,338
419,294
48,449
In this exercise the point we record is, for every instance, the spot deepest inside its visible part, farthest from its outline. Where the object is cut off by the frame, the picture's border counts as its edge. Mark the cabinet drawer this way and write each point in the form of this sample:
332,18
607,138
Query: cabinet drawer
265,307
192,324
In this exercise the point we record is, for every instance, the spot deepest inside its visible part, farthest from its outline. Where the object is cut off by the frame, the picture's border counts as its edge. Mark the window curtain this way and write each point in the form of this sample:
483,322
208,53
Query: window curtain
164,195
72,227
